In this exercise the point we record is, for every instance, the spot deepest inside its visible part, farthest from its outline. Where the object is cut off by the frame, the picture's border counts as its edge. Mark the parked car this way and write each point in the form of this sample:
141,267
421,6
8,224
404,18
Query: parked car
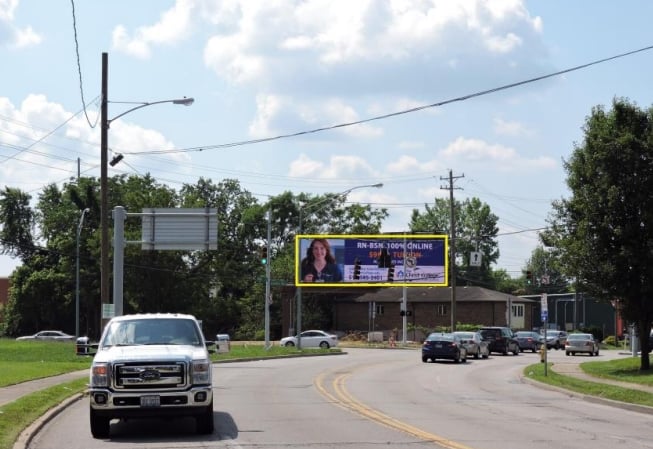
500,339
443,346
529,341
312,339
581,343
474,344
49,335
555,339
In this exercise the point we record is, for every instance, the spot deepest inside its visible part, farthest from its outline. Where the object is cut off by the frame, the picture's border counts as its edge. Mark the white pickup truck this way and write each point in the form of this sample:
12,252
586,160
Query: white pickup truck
151,365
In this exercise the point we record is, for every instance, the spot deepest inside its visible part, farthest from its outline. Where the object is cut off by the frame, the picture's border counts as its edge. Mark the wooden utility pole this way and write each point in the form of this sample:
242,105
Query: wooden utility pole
452,245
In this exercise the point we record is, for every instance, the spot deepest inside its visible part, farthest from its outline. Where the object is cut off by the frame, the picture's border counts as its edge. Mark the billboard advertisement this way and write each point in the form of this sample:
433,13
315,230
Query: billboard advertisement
412,260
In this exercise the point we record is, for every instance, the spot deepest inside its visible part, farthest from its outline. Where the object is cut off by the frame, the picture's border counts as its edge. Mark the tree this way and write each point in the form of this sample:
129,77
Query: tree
605,228
17,220
476,230
545,266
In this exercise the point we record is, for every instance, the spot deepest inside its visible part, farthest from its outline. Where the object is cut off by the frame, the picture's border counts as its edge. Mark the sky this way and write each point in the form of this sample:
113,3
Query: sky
419,85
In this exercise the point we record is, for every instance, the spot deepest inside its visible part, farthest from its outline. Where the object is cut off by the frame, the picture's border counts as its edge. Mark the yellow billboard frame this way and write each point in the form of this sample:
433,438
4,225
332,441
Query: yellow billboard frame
382,237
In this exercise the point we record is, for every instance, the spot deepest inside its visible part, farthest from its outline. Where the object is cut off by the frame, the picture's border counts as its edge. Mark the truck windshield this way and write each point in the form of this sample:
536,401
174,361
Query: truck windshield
161,331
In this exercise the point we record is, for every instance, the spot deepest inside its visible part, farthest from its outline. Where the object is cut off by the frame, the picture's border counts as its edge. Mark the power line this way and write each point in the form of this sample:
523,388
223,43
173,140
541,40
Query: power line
395,114
79,69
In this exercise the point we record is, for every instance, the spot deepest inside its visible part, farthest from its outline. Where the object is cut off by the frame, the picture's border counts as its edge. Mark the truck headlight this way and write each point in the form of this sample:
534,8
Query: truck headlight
100,375
201,372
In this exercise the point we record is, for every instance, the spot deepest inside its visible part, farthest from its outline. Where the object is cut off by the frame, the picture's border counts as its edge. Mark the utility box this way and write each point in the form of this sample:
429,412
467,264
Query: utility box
81,346
375,337
222,343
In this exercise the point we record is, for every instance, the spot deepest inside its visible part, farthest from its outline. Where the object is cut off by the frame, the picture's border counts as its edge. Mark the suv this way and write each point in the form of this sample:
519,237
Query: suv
555,339
151,365
500,339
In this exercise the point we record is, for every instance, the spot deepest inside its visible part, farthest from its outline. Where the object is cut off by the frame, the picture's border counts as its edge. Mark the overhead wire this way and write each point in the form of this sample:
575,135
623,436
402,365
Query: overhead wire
398,113
79,69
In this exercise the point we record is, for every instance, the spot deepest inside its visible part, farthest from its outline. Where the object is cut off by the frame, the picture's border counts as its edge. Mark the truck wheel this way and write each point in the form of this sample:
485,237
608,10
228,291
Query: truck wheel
204,422
100,425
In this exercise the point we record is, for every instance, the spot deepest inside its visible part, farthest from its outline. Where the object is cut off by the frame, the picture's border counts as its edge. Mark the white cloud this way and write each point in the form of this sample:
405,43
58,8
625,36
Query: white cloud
475,149
173,25
16,38
409,164
276,115
7,8
492,156
338,167
511,128
362,36
26,37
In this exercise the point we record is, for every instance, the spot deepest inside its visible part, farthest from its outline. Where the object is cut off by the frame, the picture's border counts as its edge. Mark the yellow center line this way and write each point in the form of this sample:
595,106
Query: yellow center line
346,400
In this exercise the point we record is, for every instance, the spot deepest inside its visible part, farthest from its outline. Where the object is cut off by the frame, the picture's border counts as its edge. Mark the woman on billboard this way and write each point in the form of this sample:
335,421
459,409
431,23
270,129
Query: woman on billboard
319,265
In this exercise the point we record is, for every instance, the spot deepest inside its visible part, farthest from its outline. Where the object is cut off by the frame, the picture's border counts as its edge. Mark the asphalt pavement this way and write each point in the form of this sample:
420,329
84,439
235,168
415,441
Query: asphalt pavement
13,392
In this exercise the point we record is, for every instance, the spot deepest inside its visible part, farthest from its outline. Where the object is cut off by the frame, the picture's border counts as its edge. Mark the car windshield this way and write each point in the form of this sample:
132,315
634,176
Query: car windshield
440,337
466,335
579,337
152,332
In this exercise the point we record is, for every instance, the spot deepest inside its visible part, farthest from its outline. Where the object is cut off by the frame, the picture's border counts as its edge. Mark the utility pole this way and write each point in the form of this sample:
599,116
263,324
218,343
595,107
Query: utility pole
268,281
104,196
452,245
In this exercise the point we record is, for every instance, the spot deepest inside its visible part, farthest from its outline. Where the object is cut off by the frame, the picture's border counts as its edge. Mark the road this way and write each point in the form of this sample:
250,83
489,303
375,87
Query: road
371,398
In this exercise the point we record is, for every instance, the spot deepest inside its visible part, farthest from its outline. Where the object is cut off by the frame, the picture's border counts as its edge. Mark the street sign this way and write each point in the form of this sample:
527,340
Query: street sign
544,303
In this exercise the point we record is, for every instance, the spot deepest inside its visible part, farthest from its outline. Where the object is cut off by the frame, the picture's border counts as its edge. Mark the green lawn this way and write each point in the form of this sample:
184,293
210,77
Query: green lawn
625,370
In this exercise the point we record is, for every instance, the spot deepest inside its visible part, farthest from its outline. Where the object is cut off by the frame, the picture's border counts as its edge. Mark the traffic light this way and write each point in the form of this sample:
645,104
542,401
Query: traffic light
385,259
529,277
357,269
264,254
391,273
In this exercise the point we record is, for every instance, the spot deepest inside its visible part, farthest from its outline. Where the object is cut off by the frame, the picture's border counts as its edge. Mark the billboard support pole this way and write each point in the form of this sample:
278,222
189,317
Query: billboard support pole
404,306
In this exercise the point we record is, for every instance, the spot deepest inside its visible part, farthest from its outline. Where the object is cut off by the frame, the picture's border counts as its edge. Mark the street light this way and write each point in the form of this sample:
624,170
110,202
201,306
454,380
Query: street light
79,231
342,194
104,200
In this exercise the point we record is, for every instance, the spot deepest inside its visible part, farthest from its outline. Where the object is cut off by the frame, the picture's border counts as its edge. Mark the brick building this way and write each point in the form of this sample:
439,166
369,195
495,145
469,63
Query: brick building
366,310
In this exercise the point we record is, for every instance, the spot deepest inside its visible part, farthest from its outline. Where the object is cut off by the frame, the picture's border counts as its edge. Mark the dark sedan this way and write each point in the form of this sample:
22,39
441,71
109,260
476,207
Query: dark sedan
529,341
443,346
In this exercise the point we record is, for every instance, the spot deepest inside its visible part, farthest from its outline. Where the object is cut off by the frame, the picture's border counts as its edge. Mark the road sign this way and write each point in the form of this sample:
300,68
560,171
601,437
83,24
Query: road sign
544,303
475,258
544,316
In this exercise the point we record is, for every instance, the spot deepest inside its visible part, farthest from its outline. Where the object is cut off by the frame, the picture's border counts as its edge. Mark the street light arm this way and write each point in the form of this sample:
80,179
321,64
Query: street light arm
183,101
336,196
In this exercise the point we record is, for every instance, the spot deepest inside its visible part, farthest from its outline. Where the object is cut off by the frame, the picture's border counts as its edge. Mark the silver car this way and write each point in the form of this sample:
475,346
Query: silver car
474,343
48,335
312,339
581,343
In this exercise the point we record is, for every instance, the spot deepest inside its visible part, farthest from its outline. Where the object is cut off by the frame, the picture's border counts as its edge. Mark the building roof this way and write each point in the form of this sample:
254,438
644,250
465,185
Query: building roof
435,294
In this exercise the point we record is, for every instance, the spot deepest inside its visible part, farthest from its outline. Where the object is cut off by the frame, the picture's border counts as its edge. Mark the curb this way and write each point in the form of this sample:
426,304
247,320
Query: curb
25,437
589,398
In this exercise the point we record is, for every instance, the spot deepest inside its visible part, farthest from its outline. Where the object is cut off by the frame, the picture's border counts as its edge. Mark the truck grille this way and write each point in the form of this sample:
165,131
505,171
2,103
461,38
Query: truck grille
143,376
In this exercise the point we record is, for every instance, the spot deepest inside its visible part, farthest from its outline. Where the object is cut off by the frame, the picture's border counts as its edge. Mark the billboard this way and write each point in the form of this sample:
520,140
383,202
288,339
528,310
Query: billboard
378,260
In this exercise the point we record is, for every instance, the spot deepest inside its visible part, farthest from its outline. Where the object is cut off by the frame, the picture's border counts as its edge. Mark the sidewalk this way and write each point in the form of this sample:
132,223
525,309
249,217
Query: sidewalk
13,392
574,370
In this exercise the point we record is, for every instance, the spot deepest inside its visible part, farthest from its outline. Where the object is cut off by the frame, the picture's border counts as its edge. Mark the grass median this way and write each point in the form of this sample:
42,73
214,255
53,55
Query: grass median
623,370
